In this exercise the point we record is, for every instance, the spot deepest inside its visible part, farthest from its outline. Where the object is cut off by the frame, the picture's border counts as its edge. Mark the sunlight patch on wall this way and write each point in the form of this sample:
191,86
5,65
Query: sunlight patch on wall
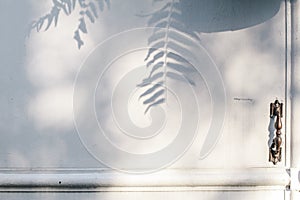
52,64
52,107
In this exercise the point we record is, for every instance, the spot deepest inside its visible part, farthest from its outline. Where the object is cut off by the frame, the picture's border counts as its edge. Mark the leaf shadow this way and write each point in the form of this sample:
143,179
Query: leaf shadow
179,22
87,12
164,56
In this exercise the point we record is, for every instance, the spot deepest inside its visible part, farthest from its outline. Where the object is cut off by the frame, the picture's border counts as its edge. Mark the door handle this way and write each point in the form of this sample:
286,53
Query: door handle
275,148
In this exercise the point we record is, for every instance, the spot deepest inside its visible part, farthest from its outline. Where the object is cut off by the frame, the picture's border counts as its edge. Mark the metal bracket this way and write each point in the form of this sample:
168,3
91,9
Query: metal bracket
275,150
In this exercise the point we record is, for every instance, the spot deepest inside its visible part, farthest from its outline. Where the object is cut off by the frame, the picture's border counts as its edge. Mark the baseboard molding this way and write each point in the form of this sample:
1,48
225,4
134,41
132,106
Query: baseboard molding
165,180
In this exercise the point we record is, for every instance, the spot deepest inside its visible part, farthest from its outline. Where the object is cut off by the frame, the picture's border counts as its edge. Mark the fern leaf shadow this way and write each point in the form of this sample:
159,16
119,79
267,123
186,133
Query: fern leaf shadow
86,11
177,18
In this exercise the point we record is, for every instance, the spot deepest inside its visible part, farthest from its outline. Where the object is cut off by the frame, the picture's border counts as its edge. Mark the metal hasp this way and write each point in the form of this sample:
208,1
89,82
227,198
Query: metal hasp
275,148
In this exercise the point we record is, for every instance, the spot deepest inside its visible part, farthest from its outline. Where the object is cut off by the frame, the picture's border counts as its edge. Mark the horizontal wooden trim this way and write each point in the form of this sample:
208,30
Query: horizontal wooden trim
107,180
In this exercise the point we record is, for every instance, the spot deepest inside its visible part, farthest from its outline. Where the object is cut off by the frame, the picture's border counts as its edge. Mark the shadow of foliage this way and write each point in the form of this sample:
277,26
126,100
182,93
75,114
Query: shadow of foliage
164,56
179,17
175,22
88,10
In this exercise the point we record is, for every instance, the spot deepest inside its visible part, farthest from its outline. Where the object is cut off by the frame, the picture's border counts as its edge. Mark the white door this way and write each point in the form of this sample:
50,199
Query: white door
170,99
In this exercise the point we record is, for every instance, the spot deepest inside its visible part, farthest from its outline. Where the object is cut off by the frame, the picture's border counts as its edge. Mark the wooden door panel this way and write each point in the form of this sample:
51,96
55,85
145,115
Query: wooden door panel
143,99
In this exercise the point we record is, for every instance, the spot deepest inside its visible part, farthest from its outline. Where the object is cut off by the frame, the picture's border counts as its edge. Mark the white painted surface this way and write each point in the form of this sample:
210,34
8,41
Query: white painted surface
244,41
247,195
295,138
295,84
38,104
107,180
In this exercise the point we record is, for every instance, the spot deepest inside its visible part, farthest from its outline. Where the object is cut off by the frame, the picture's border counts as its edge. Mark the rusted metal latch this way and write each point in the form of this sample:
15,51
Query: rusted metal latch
275,148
